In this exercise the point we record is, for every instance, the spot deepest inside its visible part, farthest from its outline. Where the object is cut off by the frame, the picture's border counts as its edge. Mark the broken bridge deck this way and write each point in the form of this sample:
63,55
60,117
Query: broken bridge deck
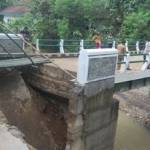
22,61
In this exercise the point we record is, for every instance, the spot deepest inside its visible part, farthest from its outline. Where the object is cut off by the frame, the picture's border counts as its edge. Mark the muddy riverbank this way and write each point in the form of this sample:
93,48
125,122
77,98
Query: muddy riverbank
136,103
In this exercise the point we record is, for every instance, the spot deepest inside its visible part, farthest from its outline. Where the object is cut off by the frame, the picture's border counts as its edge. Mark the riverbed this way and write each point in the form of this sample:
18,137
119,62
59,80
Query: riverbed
131,135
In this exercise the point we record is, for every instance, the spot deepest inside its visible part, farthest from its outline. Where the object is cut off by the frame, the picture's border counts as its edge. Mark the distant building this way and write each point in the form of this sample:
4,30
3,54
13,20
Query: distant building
13,12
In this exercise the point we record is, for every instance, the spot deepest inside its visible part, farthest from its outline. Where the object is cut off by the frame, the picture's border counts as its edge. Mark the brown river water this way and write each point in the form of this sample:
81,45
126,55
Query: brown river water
131,135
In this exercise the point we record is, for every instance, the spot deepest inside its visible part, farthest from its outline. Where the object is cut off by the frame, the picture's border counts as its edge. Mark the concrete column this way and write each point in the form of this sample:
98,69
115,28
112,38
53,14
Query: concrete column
37,46
92,111
81,45
114,44
61,46
126,45
147,63
126,60
137,47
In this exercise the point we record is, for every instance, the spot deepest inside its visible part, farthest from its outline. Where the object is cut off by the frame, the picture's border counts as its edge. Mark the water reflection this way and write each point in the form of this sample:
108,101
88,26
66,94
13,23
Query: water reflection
130,135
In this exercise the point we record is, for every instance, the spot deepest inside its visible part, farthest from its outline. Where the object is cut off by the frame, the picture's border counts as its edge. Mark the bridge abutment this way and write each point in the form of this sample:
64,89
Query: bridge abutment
92,112
92,118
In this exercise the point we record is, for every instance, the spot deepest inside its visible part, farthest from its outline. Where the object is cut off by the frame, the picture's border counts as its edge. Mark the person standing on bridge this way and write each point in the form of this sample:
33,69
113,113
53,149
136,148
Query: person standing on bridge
97,39
121,50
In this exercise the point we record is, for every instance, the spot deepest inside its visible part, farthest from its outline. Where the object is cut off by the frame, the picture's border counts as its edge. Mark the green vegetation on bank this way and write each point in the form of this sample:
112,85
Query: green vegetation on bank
76,19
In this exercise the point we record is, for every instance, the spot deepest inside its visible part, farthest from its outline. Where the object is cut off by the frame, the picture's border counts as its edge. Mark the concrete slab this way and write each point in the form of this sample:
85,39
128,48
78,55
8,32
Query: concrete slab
70,64
21,62
131,76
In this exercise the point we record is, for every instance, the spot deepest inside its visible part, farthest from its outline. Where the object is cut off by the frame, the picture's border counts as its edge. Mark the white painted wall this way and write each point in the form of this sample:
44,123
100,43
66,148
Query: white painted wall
84,59
8,19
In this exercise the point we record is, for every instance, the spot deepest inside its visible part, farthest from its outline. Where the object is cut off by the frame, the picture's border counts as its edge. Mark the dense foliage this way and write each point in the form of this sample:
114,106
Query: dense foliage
4,3
76,19
136,25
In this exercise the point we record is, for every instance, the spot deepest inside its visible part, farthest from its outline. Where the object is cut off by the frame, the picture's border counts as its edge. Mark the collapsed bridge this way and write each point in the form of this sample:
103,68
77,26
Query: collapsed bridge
86,84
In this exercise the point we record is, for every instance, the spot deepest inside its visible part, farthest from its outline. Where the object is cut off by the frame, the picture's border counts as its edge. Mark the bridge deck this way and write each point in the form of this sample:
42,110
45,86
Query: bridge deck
131,80
71,63
131,76
124,81
6,63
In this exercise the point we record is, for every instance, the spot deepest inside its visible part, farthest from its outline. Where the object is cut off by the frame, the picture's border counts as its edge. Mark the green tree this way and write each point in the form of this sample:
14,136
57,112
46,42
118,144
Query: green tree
78,19
136,26
63,28
44,18
3,4
119,9
84,16
73,13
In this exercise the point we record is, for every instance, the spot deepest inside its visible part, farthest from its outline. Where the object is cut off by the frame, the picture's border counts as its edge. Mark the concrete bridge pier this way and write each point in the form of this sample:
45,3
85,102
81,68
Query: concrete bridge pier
92,117
92,113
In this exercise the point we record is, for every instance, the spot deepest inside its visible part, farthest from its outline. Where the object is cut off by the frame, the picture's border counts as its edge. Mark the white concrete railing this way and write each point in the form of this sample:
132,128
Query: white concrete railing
126,58
137,47
146,52
61,45
126,46
37,45
82,45
127,62
96,64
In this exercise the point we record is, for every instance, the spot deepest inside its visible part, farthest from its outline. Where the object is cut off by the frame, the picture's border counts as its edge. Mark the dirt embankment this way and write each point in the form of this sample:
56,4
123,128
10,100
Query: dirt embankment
40,117
10,136
136,103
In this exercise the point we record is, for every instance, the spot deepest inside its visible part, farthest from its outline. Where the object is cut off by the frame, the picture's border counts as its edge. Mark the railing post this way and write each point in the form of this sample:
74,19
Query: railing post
114,44
146,46
81,45
137,47
37,46
147,63
61,46
126,46
23,45
126,60
23,42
